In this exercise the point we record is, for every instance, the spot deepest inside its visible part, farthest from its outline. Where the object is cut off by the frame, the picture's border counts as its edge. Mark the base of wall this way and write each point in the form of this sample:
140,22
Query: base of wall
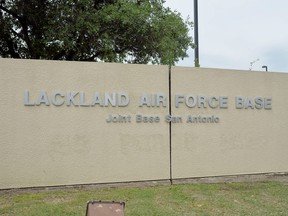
280,177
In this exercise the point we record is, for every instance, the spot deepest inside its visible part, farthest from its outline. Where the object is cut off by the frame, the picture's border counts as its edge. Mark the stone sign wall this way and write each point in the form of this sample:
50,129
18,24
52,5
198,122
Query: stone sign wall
67,123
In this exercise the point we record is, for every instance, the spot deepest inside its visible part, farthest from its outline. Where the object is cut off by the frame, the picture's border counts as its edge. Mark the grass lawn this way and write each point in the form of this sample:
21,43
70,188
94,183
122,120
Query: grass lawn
259,198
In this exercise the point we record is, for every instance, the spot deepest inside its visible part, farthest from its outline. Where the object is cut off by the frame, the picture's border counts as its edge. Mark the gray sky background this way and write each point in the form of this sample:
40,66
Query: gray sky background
234,33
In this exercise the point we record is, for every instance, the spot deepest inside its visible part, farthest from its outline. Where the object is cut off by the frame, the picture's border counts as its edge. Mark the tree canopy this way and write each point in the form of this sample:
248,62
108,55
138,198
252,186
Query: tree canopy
132,31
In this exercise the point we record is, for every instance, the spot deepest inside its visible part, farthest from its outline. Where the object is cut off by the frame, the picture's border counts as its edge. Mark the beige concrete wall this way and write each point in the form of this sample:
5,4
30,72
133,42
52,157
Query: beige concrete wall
50,145
66,145
245,141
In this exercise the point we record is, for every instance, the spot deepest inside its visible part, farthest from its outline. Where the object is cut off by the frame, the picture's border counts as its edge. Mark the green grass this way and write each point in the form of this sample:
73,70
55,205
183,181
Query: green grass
261,198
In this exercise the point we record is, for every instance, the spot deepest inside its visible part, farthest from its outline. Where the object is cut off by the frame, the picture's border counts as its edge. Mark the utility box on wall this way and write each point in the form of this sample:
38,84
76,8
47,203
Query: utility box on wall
69,123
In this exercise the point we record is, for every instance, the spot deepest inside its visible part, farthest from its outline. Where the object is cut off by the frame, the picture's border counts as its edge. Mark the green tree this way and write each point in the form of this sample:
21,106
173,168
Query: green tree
133,31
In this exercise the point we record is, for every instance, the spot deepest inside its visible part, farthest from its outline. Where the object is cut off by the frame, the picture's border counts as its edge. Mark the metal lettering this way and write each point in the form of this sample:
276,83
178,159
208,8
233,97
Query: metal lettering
177,100
223,102
202,101
71,99
123,99
161,99
259,103
54,98
210,102
97,100
42,99
268,103
26,99
239,102
82,100
194,101
109,99
249,103
144,100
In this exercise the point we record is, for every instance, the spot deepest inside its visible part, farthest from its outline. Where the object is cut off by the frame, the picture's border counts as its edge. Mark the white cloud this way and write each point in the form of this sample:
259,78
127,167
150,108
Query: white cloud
234,33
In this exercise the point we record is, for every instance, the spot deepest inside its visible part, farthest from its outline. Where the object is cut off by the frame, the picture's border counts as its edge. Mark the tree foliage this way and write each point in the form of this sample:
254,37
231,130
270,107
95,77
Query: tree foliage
133,31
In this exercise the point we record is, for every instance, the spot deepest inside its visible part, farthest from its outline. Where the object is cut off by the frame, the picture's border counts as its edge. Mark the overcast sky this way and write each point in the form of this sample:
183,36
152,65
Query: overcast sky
234,33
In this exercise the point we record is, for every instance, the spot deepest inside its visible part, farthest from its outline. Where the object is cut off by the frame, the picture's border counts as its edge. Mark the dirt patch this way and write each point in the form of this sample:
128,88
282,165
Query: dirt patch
279,177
